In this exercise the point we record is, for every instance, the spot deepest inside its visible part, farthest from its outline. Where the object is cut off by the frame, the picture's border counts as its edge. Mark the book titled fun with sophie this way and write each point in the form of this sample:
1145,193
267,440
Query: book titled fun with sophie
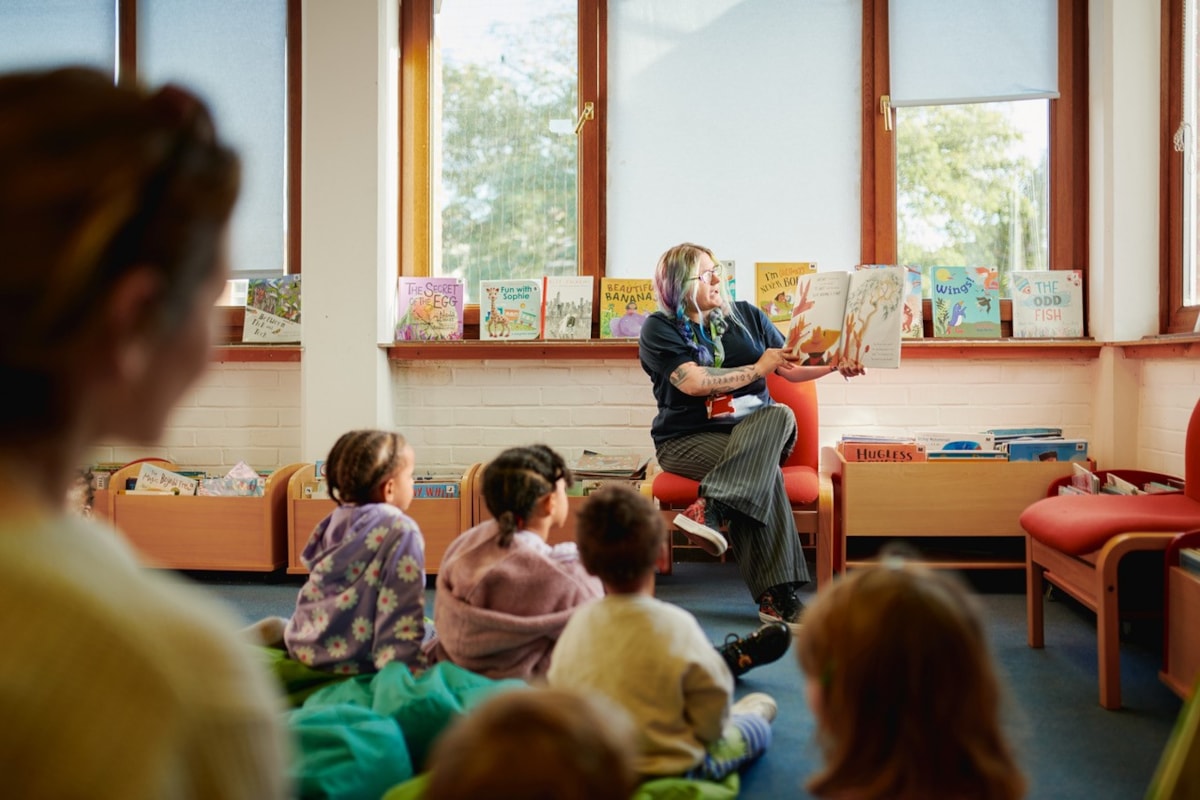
510,308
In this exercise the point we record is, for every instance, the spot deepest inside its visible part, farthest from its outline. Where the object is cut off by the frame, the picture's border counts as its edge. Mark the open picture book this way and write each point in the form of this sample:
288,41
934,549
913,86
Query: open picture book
848,316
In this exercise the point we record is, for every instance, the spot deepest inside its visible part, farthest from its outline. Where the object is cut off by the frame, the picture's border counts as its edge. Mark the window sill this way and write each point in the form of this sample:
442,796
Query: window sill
278,353
917,349
1177,345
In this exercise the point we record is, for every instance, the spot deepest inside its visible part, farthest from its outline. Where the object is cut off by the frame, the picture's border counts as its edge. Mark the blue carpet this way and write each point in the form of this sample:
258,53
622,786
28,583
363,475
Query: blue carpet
1069,746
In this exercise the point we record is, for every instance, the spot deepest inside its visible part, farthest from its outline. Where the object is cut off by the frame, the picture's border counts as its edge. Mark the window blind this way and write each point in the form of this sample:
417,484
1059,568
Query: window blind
972,51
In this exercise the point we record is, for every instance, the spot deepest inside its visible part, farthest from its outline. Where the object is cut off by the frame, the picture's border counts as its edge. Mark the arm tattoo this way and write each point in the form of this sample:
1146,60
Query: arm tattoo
715,379
720,380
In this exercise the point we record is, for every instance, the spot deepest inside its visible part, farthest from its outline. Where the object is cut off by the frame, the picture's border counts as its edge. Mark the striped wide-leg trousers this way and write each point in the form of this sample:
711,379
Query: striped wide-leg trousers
740,471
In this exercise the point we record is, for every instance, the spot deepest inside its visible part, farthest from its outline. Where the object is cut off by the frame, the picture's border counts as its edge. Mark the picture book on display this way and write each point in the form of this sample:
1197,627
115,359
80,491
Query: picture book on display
1047,303
568,307
911,326
624,305
510,308
848,316
966,302
429,309
272,310
775,288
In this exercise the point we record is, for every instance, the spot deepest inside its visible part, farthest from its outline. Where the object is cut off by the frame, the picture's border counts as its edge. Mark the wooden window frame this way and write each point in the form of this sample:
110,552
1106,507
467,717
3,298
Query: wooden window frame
415,241
1068,148
1174,315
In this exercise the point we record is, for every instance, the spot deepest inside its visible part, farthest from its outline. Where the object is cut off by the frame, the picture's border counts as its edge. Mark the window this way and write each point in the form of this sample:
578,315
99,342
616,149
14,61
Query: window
501,161
1030,156
211,47
1179,187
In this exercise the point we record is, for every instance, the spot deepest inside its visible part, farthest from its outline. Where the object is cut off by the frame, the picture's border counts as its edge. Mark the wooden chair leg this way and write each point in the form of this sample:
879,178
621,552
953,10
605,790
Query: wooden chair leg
826,541
1034,592
1108,637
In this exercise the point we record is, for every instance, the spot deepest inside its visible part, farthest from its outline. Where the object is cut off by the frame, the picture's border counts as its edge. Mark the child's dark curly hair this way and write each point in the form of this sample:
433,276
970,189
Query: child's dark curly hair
515,480
360,462
620,535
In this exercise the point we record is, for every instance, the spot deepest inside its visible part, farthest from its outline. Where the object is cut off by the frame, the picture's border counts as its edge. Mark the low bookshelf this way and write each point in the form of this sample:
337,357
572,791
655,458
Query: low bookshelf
955,514
440,519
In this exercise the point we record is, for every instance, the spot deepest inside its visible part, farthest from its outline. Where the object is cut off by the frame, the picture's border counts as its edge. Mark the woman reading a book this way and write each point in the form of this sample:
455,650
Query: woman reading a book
708,358
120,682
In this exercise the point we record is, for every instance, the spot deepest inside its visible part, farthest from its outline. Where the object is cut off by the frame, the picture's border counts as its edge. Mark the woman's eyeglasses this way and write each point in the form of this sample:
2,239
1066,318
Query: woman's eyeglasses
711,276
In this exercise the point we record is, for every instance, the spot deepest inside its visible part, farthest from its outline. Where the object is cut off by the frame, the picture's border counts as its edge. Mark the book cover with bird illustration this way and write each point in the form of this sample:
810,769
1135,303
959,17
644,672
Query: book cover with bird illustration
966,302
850,317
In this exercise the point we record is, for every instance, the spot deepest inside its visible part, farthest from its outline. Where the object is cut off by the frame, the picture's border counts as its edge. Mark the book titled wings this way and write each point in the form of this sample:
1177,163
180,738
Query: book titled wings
1047,303
429,309
966,302
848,316
774,288
510,308
568,307
624,305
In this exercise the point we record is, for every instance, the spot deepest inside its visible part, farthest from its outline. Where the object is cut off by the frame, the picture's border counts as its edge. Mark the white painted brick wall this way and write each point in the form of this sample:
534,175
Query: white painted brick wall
1169,391
457,413
236,412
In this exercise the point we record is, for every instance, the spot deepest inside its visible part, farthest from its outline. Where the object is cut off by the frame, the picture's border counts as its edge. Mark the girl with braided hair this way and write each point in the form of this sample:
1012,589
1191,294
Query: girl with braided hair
503,593
708,358
363,605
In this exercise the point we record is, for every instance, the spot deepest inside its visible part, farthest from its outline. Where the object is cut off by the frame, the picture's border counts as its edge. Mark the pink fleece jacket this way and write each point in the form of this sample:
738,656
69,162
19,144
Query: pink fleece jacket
498,610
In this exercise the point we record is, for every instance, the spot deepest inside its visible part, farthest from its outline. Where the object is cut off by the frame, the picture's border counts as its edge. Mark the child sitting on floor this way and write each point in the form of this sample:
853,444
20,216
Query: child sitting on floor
651,657
538,743
363,605
503,593
900,679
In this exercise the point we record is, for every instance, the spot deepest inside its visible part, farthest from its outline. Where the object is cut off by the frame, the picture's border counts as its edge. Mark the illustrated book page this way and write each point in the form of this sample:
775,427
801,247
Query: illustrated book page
848,316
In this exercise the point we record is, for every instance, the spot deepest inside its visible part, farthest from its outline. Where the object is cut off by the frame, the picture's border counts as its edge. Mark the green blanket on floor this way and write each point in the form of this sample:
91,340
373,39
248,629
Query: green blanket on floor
358,737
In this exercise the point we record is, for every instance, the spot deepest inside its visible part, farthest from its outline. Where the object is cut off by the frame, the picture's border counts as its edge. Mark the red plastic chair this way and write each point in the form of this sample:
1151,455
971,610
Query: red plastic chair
800,472
1076,542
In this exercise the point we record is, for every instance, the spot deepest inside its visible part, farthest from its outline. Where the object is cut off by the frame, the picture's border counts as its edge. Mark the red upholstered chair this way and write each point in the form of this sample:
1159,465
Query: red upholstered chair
800,473
1077,542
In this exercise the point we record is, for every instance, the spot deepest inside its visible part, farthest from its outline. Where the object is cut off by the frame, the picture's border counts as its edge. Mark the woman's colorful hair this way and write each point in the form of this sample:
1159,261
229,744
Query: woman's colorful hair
515,480
673,285
360,462
909,697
